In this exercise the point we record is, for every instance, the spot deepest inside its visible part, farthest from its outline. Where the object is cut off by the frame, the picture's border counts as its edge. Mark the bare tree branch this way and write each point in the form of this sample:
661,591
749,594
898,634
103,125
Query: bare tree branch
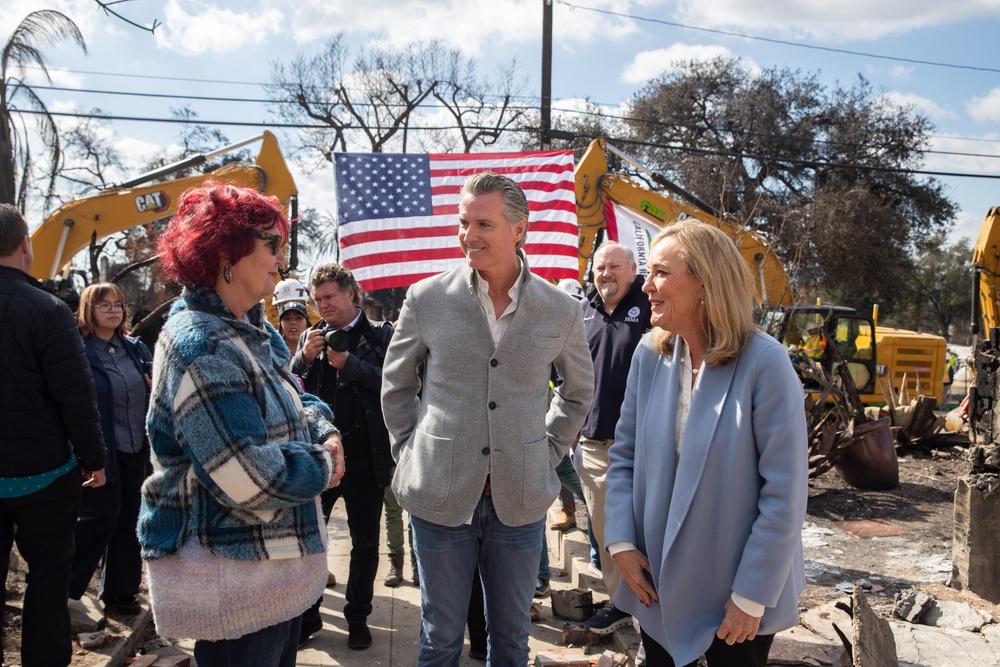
106,8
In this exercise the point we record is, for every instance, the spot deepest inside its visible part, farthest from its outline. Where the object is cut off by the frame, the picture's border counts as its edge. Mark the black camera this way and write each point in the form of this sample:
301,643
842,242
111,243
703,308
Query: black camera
336,340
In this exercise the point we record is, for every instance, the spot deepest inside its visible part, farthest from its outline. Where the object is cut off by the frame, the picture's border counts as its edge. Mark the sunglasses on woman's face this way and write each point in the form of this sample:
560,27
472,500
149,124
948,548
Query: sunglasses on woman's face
273,241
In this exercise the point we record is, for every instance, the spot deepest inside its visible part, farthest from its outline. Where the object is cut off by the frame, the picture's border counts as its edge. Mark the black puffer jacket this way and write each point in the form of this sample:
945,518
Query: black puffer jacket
364,369
48,404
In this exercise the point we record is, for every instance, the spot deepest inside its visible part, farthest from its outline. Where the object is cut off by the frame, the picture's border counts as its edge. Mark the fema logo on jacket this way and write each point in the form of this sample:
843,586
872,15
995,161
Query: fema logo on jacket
633,314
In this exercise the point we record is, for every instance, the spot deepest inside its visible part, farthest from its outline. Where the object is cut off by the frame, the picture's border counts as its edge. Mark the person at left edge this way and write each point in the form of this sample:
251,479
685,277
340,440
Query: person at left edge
48,421
105,532
230,525
349,380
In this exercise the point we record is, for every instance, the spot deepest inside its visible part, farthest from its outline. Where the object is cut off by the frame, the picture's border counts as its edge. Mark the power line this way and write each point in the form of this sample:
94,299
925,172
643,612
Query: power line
132,93
154,77
683,149
580,112
783,42
805,163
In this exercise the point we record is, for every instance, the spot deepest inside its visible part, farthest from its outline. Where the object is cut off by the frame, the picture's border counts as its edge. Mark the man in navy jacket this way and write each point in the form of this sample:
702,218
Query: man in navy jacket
615,316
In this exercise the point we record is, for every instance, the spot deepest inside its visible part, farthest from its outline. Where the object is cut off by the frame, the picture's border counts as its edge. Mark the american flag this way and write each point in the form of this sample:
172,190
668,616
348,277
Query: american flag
398,212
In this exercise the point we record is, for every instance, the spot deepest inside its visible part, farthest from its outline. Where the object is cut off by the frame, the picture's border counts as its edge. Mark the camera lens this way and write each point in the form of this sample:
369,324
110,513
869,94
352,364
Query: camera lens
336,340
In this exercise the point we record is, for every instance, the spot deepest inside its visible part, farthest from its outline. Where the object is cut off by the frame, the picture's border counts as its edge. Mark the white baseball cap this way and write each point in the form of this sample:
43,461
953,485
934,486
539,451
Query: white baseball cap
572,287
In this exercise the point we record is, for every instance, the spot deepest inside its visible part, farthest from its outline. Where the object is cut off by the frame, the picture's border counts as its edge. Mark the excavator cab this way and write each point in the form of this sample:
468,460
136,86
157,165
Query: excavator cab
825,336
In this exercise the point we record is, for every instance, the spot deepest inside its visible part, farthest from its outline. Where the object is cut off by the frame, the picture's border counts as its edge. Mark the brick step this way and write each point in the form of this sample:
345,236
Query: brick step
570,550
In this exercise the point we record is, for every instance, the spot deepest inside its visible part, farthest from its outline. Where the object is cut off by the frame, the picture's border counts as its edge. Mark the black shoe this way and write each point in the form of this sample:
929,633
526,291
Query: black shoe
608,619
477,653
126,606
358,636
310,626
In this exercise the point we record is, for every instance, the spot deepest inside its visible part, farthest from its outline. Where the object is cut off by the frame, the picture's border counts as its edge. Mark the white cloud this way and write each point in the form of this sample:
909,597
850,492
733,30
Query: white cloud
194,28
922,104
969,154
847,20
82,12
65,79
986,108
648,65
472,26
901,72
967,224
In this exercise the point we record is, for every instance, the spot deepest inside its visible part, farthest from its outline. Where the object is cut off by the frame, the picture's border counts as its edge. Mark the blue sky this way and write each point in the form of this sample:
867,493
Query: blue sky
598,56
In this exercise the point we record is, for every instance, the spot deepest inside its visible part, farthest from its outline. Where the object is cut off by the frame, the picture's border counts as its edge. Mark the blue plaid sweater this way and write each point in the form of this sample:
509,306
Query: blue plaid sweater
236,464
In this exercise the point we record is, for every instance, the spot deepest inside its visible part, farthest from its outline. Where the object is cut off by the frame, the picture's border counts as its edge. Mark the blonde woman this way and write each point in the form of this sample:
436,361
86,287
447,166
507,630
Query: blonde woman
709,476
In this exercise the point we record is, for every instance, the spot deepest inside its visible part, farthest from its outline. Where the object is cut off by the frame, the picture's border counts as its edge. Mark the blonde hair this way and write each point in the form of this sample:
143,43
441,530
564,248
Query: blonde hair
713,258
93,295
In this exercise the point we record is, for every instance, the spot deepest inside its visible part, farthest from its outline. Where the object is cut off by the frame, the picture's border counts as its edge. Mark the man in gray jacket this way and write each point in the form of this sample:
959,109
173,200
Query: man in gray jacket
464,391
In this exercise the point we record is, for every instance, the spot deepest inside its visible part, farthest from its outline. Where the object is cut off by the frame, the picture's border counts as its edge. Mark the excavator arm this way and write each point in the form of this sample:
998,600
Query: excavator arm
986,269
598,186
146,199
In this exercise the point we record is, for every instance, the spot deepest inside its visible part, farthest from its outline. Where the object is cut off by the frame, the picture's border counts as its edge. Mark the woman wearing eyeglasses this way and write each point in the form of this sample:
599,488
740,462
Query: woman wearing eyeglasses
105,530
230,526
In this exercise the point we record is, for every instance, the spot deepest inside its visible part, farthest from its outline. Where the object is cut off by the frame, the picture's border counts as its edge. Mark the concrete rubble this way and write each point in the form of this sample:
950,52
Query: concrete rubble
919,607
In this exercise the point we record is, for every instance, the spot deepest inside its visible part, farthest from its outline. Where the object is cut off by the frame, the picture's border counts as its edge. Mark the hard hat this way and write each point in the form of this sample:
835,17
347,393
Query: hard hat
813,326
289,290
572,287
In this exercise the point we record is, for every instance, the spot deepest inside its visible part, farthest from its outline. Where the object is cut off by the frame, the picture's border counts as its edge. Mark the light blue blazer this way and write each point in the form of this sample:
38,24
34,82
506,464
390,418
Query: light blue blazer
728,516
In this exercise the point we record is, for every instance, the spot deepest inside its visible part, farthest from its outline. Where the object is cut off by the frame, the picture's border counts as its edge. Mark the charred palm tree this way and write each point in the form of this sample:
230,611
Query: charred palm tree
23,50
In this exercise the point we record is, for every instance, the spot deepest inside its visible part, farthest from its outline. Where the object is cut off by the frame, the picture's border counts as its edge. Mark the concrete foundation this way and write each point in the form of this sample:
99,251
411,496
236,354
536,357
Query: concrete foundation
976,540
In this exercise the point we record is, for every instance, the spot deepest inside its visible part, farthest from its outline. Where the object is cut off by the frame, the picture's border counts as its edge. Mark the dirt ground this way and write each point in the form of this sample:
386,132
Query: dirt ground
891,539
914,521
118,628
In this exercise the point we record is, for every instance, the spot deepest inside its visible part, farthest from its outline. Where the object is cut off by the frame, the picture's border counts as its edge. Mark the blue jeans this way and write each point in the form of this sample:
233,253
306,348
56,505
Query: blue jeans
274,646
508,565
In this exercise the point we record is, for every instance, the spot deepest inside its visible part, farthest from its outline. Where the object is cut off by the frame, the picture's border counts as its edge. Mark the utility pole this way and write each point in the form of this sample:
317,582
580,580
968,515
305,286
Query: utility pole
544,138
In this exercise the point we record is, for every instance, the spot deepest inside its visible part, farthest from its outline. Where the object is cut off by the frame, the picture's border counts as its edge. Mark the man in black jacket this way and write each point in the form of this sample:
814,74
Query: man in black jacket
340,360
49,431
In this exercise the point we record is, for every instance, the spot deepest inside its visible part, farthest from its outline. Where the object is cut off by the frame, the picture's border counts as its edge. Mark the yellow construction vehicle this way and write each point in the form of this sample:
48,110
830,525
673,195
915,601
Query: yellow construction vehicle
986,272
870,351
148,198
983,394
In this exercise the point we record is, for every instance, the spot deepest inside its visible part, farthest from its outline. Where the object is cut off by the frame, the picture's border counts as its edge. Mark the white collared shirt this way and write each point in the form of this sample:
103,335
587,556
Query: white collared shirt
498,325
357,316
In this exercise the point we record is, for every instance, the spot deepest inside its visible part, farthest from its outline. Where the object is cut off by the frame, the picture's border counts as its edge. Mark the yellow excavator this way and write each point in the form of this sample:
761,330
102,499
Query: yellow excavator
984,393
153,196
986,273
148,198
605,195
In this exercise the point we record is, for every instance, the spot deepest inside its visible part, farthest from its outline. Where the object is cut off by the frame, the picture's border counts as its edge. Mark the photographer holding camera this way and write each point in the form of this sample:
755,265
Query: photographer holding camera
340,360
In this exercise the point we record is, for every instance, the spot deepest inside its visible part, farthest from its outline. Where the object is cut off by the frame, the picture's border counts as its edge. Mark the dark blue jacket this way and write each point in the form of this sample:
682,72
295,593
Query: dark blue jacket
47,406
139,354
612,340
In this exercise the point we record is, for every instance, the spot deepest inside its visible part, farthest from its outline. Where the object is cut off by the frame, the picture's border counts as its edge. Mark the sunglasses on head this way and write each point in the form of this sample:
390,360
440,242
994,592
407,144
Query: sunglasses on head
273,240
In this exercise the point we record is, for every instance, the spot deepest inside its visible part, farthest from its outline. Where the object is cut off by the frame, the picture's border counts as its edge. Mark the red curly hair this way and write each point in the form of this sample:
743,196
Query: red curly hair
213,221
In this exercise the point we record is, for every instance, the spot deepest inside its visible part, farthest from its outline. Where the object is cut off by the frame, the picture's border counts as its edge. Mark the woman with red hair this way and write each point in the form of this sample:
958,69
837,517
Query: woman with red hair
230,530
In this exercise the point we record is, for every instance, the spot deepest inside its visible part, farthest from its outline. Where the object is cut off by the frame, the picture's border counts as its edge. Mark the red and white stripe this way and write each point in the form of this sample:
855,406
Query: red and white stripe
397,252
